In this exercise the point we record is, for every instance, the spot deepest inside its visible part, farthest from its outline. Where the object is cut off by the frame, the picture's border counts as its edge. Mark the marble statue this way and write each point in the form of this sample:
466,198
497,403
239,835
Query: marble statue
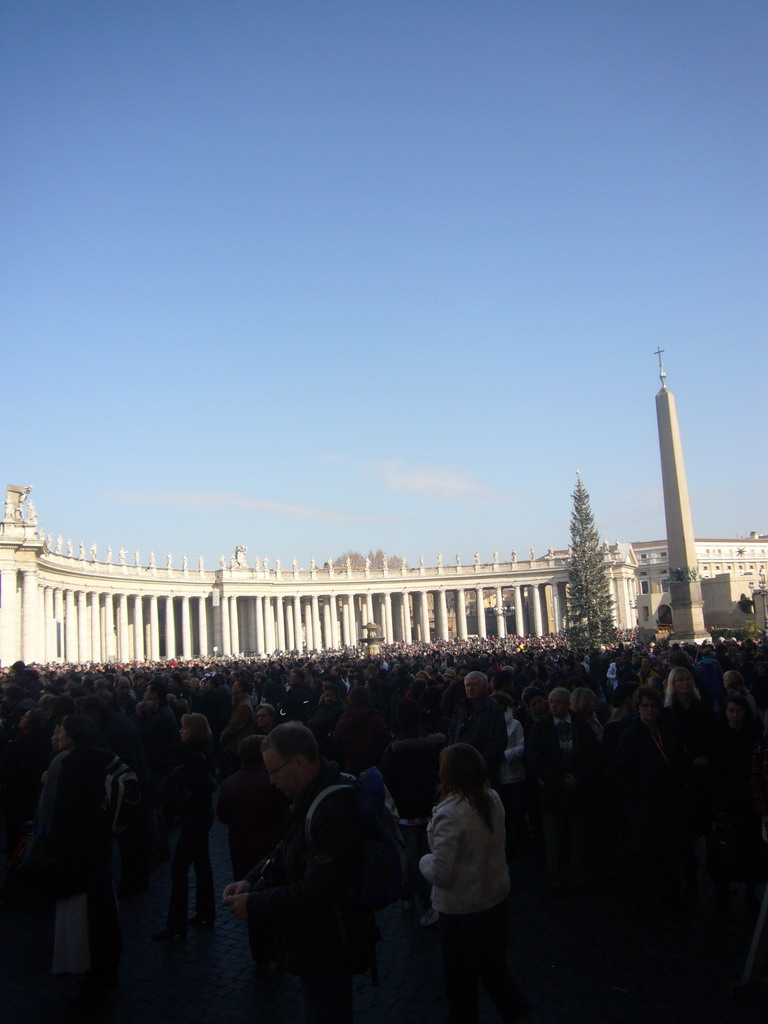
439,561
295,565
533,554
257,562
223,562
69,549
477,558
31,514
59,542
495,557
550,552
349,563
201,564
278,565
384,562
93,553
169,561
49,541
152,560
109,555
514,555
458,559
136,558
421,561
184,563
121,556
266,563
81,551
240,552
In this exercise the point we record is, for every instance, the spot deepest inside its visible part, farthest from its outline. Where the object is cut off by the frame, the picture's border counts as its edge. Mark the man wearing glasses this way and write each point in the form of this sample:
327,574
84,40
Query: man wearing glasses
305,911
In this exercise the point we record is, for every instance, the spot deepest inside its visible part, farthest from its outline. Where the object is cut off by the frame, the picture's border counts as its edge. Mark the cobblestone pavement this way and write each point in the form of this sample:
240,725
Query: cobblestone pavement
585,959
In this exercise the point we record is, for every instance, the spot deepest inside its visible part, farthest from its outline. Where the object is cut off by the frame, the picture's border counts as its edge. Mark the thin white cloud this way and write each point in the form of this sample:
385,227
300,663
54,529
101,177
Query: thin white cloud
438,483
205,499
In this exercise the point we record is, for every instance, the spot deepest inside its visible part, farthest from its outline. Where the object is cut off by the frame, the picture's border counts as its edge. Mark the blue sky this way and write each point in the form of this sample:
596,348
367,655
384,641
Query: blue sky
309,276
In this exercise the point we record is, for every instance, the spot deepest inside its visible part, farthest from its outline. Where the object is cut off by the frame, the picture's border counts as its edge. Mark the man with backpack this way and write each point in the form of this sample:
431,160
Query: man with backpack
303,905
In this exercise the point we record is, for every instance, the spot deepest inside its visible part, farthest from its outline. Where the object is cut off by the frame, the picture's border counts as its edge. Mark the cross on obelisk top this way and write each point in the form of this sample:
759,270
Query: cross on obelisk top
662,376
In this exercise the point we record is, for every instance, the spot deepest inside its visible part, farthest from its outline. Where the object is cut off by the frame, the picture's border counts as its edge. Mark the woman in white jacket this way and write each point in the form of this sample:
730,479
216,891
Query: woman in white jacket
470,884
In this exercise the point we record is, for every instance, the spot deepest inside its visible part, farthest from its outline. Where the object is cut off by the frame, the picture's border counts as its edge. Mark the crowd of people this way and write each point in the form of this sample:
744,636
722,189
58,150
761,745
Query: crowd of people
604,759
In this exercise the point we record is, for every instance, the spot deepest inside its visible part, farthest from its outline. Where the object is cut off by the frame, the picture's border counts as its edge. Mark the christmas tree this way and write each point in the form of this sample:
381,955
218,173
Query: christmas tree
590,605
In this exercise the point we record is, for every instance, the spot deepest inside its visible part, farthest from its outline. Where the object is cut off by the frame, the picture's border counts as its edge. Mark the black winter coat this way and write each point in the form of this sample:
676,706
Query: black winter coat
310,918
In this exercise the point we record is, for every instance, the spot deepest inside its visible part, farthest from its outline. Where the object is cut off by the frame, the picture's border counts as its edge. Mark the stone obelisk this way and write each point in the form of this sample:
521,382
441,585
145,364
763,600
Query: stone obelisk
684,585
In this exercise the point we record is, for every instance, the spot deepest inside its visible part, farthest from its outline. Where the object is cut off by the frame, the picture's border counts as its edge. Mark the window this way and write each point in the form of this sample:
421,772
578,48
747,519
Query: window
645,587
662,554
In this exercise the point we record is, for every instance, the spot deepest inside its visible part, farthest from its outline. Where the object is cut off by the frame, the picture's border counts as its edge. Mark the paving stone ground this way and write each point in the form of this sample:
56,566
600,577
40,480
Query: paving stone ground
585,959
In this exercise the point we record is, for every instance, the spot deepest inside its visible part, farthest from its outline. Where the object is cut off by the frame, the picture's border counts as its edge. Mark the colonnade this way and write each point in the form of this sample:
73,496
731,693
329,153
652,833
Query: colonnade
95,624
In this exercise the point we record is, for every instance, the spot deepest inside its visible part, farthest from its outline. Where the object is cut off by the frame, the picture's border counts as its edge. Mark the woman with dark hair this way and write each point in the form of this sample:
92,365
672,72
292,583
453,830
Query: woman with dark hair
87,933
467,868
196,771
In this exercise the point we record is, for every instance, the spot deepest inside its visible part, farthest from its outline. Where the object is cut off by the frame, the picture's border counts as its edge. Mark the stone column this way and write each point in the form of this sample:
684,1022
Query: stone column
138,628
557,625
50,646
327,636
186,629
533,591
170,628
334,604
442,618
461,613
202,625
109,628
309,631
96,627
258,615
424,615
290,629
298,626
270,632
519,620
369,609
407,628
70,627
154,629
388,633
58,623
318,636
480,605
9,618
83,624
30,616
280,619
501,622
226,637
122,637
234,625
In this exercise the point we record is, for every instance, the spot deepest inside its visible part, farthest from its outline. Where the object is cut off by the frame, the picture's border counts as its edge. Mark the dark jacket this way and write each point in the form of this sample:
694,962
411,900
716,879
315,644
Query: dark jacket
410,768
361,736
482,727
253,809
81,826
544,753
309,915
